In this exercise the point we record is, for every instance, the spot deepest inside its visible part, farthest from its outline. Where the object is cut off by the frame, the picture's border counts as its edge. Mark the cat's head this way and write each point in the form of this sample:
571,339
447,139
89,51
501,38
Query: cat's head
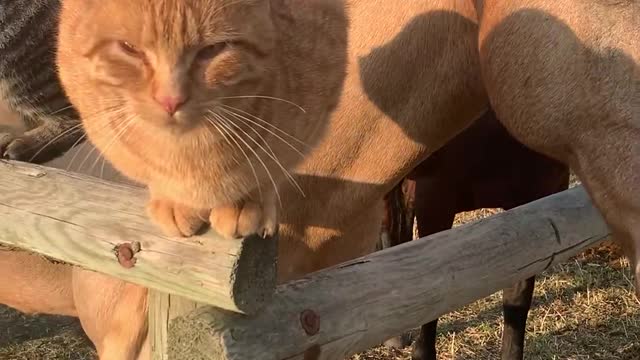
195,97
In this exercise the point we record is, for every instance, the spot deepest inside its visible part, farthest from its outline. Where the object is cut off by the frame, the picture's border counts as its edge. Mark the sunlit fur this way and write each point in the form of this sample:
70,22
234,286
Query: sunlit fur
251,111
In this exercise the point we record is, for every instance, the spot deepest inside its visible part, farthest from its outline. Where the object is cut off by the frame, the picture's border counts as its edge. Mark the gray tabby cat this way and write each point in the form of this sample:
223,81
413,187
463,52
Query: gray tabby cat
29,82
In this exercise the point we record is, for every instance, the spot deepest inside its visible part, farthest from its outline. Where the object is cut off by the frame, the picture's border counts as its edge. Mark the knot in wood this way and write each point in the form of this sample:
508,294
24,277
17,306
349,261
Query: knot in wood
125,253
310,322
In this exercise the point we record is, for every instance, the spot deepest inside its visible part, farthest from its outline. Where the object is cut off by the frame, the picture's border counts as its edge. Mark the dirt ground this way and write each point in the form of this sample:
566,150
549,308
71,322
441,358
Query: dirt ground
583,310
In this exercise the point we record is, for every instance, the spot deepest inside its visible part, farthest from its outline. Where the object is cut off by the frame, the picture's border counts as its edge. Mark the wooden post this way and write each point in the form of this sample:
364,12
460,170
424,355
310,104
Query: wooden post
163,308
103,226
354,306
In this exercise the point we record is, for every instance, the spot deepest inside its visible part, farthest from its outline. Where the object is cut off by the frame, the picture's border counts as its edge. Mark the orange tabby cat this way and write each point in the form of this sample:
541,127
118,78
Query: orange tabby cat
206,102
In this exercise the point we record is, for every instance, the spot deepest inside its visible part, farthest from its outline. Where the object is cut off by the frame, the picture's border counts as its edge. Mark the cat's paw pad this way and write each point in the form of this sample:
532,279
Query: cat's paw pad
15,147
237,221
176,219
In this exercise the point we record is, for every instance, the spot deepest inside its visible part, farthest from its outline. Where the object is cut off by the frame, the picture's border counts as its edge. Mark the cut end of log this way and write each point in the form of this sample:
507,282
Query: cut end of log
254,276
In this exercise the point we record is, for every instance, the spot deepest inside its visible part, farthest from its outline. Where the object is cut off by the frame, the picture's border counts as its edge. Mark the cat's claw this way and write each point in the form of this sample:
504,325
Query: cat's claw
176,219
248,218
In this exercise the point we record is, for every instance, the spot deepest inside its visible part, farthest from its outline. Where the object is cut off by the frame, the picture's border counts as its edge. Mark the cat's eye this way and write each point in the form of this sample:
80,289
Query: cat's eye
209,52
130,49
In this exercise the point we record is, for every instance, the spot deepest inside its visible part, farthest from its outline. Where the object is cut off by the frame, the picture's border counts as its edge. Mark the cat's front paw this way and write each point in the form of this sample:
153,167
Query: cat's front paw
15,147
175,219
244,219
41,144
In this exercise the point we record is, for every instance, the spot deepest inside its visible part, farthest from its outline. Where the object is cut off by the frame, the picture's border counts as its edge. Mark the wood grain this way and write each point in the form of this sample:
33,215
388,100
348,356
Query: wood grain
81,220
361,303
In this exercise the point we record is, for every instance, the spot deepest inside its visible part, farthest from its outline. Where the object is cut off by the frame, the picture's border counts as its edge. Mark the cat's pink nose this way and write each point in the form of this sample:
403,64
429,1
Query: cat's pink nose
170,103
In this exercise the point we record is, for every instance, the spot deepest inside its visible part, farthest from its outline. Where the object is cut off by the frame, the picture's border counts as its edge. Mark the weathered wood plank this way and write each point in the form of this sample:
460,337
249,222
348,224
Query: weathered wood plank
163,308
361,303
82,220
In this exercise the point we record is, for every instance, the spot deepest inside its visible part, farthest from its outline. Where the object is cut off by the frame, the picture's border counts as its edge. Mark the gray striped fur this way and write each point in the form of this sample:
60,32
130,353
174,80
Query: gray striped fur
29,82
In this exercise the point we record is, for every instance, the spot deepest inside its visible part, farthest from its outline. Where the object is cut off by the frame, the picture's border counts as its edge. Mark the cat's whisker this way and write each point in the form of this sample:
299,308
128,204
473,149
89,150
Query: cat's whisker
101,154
89,154
73,159
61,110
226,123
272,157
255,132
106,125
270,153
104,159
220,129
70,130
221,133
116,126
77,127
241,117
265,98
111,112
128,123
229,107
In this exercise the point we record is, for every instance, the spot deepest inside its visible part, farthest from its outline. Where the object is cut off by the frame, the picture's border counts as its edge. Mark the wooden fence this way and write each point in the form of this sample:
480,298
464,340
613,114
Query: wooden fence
217,299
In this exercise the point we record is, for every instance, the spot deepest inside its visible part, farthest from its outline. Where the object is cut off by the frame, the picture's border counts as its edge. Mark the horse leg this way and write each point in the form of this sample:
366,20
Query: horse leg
516,302
435,211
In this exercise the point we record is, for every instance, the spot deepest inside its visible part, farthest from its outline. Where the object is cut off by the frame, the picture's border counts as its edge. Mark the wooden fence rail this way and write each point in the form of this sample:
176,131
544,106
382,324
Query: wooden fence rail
103,226
352,307
204,287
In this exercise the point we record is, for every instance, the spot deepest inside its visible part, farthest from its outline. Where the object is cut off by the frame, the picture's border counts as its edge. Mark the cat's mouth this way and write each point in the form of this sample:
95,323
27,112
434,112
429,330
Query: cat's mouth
181,125
179,122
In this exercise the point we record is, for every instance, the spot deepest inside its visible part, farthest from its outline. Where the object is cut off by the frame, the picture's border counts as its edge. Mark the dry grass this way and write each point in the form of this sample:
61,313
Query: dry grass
583,310
41,337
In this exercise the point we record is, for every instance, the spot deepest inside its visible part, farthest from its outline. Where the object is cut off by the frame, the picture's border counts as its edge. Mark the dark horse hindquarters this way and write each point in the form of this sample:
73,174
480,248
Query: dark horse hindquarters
482,167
